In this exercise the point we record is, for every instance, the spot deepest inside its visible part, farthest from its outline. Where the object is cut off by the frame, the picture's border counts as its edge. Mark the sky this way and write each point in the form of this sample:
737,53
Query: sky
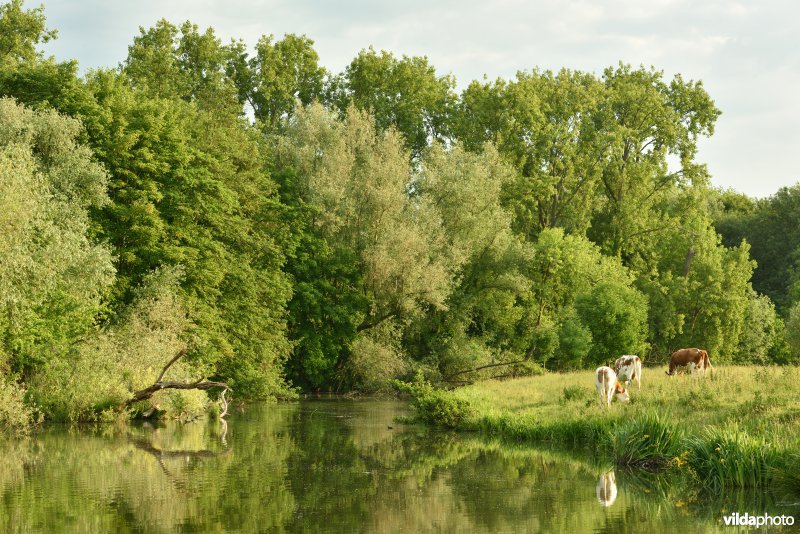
747,54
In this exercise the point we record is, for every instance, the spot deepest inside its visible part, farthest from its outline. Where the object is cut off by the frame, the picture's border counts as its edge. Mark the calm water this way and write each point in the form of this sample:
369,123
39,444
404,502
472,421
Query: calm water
330,466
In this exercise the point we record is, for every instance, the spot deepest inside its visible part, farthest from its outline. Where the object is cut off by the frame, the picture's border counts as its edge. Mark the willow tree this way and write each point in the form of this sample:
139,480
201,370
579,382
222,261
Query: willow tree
481,322
53,275
355,183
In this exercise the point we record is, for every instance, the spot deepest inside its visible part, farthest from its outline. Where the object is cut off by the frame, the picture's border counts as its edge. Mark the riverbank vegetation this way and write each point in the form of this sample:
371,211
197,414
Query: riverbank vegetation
291,229
736,427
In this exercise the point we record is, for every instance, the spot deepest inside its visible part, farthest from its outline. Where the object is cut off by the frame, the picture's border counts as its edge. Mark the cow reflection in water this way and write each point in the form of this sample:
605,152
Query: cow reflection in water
607,489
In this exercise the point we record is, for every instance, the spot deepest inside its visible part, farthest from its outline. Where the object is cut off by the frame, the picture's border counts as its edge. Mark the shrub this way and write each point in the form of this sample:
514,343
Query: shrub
374,363
574,343
16,417
435,406
617,318
100,374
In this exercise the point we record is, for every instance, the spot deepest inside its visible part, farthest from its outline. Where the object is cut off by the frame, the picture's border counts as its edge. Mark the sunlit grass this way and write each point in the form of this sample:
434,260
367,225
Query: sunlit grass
735,426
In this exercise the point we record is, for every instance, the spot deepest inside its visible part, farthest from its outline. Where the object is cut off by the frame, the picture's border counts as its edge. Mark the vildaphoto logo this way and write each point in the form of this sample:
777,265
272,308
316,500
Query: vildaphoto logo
742,520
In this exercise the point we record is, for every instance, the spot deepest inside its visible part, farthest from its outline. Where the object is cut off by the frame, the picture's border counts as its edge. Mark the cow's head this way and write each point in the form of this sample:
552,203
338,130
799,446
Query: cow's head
620,393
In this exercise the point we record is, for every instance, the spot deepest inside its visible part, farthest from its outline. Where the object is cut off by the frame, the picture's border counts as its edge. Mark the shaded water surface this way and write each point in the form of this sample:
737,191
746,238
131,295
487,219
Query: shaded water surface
330,466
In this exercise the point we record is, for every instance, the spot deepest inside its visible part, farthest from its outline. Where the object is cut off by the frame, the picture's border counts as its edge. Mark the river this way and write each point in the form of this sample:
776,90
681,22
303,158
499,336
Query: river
332,466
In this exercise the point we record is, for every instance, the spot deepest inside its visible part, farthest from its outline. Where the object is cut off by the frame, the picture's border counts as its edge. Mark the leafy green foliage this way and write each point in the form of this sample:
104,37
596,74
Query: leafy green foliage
20,33
616,316
761,341
405,94
574,343
104,370
770,227
169,62
52,276
435,406
16,415
354,182
544,124
278,76
793,331
190,188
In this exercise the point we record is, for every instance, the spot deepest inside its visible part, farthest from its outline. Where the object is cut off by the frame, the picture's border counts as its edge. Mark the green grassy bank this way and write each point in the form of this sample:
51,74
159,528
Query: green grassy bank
736,427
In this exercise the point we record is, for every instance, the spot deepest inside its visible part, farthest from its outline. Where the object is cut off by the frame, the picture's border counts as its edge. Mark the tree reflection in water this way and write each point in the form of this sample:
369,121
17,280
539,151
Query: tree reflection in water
331,466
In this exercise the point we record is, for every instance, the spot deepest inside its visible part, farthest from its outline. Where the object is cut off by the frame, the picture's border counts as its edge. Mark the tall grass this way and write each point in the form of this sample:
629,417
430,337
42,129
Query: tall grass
730,457
649,440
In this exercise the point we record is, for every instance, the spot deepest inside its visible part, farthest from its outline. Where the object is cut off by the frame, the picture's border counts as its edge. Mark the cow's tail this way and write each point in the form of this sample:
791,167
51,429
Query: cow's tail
707,361
639,373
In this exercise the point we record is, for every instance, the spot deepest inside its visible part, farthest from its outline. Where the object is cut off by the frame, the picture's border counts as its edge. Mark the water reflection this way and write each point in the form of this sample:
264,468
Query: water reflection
607,489
329,467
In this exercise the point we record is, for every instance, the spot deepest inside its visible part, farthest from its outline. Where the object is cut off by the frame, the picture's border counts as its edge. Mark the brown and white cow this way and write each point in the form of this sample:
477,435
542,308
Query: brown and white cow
690,359
608,387
628,369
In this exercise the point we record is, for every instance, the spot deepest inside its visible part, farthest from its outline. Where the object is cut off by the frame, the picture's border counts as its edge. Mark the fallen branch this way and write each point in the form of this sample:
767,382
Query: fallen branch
447,378
146,393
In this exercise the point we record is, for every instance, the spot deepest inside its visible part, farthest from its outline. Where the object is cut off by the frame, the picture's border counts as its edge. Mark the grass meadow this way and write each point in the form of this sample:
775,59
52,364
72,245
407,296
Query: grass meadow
737,426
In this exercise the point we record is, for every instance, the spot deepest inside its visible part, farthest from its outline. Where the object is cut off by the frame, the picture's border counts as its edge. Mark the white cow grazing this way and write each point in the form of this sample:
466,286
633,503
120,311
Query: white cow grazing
608,387
629,368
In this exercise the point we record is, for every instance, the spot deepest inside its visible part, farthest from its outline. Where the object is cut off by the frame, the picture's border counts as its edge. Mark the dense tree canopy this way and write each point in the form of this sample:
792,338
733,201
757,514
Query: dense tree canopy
292,228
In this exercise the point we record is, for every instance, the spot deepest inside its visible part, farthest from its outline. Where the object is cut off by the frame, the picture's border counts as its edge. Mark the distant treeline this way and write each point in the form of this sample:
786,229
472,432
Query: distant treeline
294,228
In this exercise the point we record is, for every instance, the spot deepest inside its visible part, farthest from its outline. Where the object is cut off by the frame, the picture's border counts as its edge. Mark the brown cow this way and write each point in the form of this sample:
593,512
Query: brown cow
690,359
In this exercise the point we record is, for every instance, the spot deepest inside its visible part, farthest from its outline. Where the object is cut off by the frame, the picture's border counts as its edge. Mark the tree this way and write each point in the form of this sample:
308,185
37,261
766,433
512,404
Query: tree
25,74
641,120
189,187
698,289
21,31
167,61
483,312
279,75
793,331
544,124
762,339
616,316
53,276
355,181
405,94
769,227
563,268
